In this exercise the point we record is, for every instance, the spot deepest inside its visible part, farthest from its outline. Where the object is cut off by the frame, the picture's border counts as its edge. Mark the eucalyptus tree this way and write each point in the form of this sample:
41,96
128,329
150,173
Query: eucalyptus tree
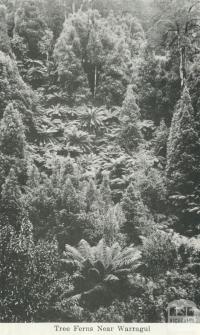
178,24
92,54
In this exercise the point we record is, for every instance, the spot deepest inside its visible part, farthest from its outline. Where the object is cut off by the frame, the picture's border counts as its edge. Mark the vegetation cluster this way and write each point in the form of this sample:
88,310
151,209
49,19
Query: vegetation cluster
99,159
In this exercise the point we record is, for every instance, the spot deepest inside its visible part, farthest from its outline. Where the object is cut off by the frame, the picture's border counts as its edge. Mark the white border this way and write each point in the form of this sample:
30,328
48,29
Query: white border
96,328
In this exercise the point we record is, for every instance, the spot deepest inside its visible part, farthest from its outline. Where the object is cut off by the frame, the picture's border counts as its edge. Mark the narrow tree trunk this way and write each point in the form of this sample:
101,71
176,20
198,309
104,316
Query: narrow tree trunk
95,80
73,7
182,66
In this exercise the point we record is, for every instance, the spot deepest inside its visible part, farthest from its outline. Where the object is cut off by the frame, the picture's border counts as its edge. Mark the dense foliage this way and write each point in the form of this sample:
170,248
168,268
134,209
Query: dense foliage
99,159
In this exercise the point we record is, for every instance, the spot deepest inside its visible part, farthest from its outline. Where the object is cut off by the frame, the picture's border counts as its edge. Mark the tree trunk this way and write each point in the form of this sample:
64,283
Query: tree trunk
182,68
73,7
95,80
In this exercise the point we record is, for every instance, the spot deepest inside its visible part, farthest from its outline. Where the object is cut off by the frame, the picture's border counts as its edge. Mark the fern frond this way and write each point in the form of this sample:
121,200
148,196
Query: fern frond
101,253
85,250
95,251
115,250
111,279
133,251
109,257
128,257
72,253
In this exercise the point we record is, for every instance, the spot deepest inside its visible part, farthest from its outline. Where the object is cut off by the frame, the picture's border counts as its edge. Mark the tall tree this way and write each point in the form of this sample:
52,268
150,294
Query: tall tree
178,24
13,88
182,145
13,145
30,25
4,39
183,157
68,56
92,54
138,222
55,16
11,201
130,116
158,86
105,191
12,136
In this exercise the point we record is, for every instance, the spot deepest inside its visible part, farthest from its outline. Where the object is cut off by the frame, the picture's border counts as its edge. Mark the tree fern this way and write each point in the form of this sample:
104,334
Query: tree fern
102,269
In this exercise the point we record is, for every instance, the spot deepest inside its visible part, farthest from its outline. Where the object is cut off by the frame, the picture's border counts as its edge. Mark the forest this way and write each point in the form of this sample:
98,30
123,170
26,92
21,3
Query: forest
99,159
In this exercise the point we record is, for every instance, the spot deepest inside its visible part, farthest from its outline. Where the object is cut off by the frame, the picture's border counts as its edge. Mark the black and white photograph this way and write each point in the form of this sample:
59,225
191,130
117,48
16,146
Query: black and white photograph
99,163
